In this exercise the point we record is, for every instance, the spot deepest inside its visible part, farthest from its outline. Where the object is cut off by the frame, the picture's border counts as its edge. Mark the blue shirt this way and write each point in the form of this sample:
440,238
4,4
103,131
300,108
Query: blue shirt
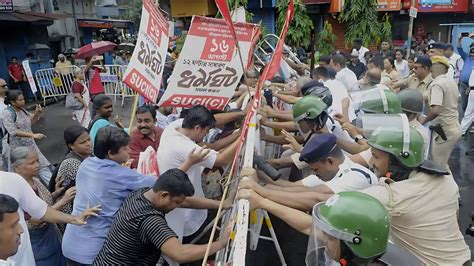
468,66
99,182
98,125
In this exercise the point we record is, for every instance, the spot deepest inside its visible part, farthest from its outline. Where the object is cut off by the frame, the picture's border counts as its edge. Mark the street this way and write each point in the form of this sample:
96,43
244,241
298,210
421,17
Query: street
56,118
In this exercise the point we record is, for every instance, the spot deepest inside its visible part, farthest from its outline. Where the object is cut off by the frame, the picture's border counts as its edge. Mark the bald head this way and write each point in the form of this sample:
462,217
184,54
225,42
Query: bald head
373,76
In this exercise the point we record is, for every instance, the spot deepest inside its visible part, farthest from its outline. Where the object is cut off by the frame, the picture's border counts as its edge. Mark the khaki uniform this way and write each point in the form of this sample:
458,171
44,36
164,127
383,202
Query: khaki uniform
412,82
424,209
444,92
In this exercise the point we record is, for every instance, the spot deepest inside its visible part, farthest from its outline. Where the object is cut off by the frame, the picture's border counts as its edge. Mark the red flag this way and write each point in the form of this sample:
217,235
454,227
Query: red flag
224,9
274,64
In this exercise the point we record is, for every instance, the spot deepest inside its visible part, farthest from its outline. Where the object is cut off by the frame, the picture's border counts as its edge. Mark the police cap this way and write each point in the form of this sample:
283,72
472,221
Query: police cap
437,45
318,148
423,60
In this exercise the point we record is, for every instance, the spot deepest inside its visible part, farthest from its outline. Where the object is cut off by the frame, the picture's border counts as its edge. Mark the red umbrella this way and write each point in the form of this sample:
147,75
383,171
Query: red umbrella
95,48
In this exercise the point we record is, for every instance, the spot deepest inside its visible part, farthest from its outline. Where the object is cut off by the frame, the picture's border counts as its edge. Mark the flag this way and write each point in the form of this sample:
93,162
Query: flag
272,68
224,9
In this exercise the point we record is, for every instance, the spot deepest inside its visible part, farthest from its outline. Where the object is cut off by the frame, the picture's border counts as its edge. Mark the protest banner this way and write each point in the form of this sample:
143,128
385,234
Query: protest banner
146,66
208,68
29,76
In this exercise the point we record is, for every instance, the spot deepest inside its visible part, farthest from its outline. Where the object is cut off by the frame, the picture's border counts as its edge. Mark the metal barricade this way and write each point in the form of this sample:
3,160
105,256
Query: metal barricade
54,82
112,81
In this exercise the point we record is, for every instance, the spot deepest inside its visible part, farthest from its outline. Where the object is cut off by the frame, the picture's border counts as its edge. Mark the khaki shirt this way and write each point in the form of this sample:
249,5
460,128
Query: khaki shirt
444,92
63,67
412,82
424,217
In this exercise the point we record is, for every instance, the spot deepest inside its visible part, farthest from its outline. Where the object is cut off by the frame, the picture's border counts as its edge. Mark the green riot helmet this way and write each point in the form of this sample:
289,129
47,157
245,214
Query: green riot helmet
411,100
310,108
342,223
379,100
403,142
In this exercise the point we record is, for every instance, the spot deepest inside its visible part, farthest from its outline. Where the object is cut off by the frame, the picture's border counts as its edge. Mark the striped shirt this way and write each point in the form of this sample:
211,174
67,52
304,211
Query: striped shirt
136,235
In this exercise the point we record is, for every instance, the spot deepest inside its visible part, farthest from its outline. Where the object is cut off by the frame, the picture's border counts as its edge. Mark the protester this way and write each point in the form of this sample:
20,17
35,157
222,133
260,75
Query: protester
45,238
3,107
64,68
95,83
184,134
79,148
466,70
17,122
102,180
443,112
140,233
103,109
15,186
81,93
10,229
360,49
344,75
17,76
145,135
390,73
165,116
401,65
455,60
355,65
384,51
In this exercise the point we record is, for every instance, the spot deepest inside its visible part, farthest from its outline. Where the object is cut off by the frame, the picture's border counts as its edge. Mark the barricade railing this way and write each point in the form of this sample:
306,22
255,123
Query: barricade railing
54,82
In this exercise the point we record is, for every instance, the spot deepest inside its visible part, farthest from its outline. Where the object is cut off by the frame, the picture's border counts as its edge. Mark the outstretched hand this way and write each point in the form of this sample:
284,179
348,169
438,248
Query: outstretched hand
81,219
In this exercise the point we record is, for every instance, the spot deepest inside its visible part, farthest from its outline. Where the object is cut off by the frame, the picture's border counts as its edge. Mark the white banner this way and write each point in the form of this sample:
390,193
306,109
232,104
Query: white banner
29,76
208,69
146,66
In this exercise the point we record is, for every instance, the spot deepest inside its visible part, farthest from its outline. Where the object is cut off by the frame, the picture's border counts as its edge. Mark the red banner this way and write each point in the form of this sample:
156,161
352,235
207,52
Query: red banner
224,9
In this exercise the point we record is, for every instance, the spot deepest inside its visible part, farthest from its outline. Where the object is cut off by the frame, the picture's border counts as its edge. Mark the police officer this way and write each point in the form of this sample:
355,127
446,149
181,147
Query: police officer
333,173
412,107
443,113
421,198
421,77
438,49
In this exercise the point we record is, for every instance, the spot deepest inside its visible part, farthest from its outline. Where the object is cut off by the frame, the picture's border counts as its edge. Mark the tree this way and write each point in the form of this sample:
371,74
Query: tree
361,20
300,28
234,4
386,28
325,39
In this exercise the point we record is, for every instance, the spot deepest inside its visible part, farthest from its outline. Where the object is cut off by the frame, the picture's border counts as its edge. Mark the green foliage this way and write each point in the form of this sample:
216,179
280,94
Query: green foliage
325,40
135,12
234,4
300,28
361,20
386,28
180,42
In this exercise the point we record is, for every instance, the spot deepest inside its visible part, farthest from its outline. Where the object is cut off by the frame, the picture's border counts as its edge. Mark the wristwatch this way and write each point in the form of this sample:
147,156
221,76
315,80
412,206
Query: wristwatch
358,137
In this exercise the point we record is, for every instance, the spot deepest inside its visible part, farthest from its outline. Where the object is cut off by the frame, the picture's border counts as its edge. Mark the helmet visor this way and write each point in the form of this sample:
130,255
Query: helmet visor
324,246
371,100
370,122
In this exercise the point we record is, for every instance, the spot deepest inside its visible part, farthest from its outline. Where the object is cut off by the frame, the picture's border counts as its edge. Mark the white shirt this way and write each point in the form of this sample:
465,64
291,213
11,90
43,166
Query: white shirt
7,262
457,63
338,93
15,186
402,68
172,152
362,52
346,179
348,79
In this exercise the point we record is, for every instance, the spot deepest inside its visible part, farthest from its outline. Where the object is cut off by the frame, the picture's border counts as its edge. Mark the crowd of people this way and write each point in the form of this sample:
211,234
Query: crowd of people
363,171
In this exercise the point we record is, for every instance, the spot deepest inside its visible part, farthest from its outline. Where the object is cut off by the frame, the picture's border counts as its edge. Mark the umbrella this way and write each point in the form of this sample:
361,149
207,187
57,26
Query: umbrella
37,46
95,48
126,46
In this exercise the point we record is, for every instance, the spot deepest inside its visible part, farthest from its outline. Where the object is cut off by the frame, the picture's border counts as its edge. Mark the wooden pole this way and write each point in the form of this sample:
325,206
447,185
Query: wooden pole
134,111
410,30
